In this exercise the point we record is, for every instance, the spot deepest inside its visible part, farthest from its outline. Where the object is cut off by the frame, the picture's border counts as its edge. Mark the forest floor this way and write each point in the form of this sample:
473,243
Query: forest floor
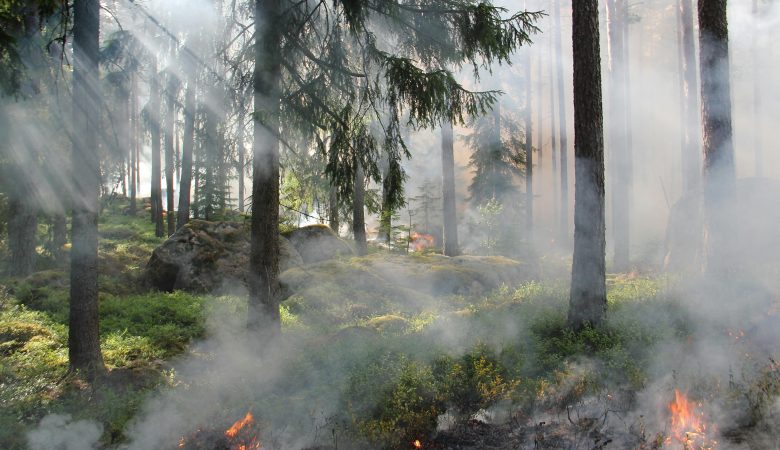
494,370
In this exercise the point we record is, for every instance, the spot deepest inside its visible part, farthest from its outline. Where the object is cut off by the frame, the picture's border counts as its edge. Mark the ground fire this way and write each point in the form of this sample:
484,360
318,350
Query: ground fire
420,241
687,424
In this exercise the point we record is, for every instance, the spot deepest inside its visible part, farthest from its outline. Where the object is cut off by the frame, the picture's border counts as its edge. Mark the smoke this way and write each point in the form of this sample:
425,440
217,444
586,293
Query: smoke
61,432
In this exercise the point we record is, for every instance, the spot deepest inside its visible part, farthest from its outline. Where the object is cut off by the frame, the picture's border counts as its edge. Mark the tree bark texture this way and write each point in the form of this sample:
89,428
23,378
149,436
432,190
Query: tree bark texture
333,209
22,230
719,177
170,126
358,210
449,211
588,296
83,332
263,312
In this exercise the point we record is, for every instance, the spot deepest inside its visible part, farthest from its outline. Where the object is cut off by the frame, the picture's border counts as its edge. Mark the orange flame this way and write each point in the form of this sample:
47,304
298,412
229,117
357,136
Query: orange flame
417,443
248,442
422,241
688,426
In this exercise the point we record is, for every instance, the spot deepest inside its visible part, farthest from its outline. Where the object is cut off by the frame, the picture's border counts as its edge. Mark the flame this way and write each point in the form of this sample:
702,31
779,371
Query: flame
422,241
688,426
417,443
245,440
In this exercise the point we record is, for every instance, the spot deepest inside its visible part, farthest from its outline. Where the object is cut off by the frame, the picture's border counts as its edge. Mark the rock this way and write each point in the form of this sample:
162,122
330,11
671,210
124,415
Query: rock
757,233
317,243
208,256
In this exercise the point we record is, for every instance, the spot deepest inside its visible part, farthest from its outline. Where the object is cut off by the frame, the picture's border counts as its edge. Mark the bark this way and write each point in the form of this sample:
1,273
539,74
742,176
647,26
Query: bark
170,122
358,210
22,229
83,332
618,133
386,215
156,182
263,312
588,297
449,211
241,158
185,182
562,128
719,180
539,111
691,159
554,136
333,209
529,152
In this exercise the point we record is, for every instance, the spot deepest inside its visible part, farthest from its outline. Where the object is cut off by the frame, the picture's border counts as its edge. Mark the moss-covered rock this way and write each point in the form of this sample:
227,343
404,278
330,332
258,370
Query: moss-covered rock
316,243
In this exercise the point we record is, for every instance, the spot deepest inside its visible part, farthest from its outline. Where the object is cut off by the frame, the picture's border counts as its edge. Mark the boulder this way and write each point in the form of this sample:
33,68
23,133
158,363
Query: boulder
208,256
317,243
757,232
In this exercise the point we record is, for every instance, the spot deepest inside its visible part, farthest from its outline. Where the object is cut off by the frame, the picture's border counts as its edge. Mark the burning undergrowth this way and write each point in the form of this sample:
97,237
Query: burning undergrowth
500,370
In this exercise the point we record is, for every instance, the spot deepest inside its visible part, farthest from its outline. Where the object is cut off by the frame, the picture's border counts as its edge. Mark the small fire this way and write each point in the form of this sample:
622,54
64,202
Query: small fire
417,443
688,426
240,435
422,241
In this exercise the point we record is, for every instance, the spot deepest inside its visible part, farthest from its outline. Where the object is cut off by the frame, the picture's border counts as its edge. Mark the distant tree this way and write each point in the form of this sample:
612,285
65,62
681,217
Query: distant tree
529,150
425,205
620,151
154,123
497,158
188,144
588,296
719,179
563,125
689,83
171,99
83,331
449,210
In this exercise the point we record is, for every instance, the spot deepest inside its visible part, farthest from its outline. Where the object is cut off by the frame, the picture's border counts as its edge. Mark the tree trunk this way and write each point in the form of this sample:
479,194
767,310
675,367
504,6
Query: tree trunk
562,128
358,213
22,230
333,208
156,188
83,332
618,131
449,211
263,312
529,152
691,159
554,136
719,179
133,143
170,123
588,296
185,182
386,215
241,157
757,117
59,236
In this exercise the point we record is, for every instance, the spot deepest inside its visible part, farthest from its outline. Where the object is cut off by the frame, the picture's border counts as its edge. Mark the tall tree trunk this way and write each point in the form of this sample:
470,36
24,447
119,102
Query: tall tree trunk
59,236
241,157
497,151
562,128
185,182
691,159
588,296
263,312
170,124
133,143
540,111
719,179
757,117
22,230
358,213
529,151
618,131
554,135
449,211
333,208
386,215
83,332
156,188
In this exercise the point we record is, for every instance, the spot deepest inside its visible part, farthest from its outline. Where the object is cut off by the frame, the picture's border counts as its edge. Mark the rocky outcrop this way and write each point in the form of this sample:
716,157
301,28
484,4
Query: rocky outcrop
317,243
208,256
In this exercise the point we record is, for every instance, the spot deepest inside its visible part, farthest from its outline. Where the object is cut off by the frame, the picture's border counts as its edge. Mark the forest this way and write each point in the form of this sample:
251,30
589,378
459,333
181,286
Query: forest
389,224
